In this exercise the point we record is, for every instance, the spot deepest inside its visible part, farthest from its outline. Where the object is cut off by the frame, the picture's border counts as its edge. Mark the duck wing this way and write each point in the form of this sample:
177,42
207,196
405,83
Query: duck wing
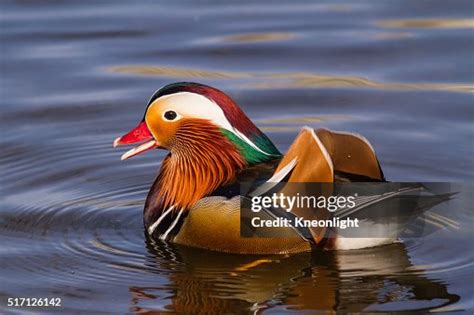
390,209
307,161
351,154
321,156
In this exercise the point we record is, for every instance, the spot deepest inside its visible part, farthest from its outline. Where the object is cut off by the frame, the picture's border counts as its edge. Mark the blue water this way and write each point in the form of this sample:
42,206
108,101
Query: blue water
75,75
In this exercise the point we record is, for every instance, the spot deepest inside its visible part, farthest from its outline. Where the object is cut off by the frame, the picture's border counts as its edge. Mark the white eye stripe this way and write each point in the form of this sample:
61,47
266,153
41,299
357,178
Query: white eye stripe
188,104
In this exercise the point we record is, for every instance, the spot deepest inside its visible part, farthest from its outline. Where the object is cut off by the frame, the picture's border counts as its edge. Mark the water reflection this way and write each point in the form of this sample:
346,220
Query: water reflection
259,37
287,80
178,72
302,119
428,23
392,35
294,123
310,80
207,282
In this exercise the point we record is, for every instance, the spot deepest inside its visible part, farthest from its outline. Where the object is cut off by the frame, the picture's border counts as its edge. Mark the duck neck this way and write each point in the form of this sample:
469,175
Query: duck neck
201,159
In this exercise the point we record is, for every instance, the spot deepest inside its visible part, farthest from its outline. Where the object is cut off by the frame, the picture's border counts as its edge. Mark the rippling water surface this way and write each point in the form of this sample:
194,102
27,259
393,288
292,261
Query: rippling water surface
75,75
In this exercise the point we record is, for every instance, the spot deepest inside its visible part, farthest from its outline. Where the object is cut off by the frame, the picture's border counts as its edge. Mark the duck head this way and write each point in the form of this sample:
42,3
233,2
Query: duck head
208,136
174,108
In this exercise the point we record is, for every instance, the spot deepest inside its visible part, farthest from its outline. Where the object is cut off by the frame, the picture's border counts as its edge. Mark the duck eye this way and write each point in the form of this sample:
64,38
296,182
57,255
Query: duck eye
170,115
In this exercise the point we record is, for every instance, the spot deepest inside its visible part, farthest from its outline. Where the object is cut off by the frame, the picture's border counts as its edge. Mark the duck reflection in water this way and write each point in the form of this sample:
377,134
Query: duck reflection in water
373,279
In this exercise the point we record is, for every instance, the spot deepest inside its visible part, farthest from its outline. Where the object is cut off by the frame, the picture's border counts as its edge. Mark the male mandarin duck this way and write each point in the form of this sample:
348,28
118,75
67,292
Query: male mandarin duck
213,146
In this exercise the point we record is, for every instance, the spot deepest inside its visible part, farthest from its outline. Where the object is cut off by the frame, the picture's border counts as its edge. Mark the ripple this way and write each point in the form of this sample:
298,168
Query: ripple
428,23
308,80
177,72
73,220
294,123
259,37
392,35
84,237
302,119
288,80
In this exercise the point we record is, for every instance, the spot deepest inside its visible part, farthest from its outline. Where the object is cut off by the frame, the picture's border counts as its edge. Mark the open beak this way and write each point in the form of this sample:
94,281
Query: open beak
138,134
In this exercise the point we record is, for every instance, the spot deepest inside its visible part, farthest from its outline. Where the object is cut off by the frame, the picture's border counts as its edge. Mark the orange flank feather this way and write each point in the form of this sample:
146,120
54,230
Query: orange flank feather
201,160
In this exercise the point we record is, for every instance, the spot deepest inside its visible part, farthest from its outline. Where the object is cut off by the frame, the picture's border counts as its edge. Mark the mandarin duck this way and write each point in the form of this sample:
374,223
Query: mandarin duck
213,146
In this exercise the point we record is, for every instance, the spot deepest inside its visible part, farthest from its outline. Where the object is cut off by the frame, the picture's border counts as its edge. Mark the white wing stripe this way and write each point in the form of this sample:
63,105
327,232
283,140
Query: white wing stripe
321,147
275,179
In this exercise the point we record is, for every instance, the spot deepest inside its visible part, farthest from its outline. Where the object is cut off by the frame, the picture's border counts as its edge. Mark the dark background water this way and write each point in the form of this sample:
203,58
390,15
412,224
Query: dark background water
76,74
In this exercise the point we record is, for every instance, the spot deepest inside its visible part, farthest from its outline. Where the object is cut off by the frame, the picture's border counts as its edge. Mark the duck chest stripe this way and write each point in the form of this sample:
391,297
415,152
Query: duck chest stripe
163,236
152,227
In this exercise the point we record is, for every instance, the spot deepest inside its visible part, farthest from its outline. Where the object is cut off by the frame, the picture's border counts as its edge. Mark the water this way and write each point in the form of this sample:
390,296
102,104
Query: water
75,75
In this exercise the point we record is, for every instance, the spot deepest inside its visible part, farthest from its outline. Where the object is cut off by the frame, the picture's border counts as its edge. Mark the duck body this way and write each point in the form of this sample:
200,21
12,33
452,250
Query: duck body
195,199
214,222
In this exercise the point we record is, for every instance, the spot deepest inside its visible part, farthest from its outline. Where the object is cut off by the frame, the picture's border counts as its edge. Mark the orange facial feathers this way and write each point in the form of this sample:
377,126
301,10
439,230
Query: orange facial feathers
201,160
